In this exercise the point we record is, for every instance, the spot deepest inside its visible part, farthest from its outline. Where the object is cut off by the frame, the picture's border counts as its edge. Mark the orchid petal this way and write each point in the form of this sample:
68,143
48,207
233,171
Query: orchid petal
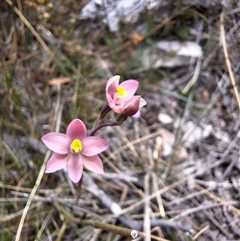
131,87
57,142
112,104
76,130
93,163
112,84
137,114
110,100
75,168
56,162
142,102
117,109
93,145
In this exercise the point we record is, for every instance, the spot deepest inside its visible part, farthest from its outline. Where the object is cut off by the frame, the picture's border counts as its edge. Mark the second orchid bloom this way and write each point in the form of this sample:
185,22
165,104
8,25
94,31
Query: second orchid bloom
74,150
121,98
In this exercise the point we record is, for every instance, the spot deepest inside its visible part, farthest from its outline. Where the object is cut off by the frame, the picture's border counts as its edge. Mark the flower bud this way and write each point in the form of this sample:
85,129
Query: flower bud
132,106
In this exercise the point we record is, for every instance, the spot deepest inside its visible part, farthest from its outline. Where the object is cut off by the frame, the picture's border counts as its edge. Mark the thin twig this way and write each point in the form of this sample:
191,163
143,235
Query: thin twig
119,230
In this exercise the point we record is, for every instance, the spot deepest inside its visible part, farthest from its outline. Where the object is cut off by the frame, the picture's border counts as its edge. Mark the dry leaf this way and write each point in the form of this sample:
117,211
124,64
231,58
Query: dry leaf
59,81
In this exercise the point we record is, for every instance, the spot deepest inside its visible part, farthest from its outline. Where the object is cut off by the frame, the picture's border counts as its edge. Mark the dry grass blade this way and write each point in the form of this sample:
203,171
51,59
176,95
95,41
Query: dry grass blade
227,59
147,210
33,192
200,232
34,32
218,199
58,114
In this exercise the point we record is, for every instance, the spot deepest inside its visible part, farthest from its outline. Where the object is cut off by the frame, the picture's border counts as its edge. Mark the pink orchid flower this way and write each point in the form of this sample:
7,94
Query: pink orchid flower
121,97
74,149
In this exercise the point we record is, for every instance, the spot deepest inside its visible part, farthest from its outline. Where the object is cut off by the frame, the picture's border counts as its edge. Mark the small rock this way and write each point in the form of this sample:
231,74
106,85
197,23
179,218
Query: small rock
165,118
169,54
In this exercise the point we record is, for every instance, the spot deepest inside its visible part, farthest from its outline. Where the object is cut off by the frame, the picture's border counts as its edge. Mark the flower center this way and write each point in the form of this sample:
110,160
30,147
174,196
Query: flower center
76,145
121,91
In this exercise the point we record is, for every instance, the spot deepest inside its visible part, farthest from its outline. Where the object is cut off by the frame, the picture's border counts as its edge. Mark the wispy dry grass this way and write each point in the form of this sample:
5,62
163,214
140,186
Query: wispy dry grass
192,193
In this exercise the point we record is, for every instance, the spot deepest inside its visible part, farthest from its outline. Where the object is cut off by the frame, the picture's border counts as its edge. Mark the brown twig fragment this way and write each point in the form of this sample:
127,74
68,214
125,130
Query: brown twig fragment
121,231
